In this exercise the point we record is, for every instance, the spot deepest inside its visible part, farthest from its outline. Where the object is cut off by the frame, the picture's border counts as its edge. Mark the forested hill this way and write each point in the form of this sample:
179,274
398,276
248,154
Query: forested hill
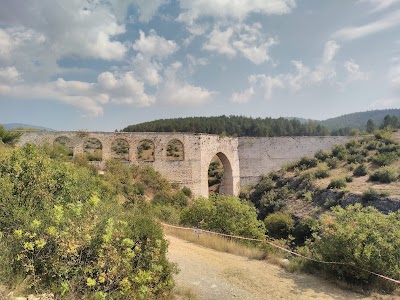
232,126
359,120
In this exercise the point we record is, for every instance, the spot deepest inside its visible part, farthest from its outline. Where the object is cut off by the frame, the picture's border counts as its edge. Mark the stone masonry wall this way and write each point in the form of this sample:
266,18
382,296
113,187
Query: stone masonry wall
259,156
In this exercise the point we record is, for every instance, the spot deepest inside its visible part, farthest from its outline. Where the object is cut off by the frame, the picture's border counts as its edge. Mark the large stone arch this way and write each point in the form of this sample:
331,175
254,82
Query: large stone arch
227,184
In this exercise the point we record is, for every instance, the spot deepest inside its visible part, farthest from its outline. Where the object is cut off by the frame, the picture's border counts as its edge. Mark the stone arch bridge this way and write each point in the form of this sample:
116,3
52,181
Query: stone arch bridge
245,159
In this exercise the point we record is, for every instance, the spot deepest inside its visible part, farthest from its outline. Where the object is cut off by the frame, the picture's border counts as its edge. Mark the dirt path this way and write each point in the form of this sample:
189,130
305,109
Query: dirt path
221,276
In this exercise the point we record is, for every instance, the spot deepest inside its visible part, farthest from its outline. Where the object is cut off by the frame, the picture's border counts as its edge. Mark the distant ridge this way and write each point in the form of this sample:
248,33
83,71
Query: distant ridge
10,126
359,119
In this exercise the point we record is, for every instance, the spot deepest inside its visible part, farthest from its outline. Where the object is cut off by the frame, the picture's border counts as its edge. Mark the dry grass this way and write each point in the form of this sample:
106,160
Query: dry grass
184,293
217,243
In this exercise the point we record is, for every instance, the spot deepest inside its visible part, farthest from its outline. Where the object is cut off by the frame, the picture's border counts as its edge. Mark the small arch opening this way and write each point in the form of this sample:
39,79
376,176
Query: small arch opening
93,149
175,150
120,150
63,145
220,179
145,151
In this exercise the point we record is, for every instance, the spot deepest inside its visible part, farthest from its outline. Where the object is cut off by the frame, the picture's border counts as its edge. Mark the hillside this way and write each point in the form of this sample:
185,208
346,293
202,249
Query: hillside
232,126
10,126
359,119
362,171
247,126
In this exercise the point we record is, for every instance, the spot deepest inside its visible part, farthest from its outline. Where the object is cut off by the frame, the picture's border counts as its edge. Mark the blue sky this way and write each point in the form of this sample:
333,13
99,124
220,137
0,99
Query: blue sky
105,64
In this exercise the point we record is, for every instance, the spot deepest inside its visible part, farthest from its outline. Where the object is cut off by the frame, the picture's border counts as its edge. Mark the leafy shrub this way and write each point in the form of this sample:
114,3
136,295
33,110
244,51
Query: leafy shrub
360,170
348,178
355,158
224,214
66,239
332,162
187,191
304,229
322,171
265,185
386,158
8,137
362,237
337,183
384,175
340,152
321,155
307,162
279,224
370,195
385,136
270,202
167,213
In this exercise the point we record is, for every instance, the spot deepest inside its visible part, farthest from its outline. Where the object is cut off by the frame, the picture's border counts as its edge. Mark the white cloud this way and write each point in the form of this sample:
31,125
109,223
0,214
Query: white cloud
154,45
246,40
302,77
9,75
354,72
351,33
379,5
243,97
91,97
178,92
238,9
37,34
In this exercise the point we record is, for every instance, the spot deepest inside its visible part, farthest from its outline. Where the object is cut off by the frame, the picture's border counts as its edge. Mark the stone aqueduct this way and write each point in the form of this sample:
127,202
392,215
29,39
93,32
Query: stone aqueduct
245,159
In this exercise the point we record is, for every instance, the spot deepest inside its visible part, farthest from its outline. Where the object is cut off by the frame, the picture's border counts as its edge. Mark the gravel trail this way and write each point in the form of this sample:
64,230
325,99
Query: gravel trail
221,276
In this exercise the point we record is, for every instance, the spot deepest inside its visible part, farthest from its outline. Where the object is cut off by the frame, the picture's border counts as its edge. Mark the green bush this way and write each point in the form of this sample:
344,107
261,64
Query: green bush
355,158
386,158
279,225
340,152
270,202
8,137
322,171
59,233
362,237
225,214
265,185
370,195
304,229
307,162
332,162
337,183
321,155
360,170
384,175
187,191
348,178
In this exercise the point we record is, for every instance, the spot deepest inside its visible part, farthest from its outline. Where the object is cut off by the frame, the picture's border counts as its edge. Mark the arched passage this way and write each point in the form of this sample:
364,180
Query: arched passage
175,150
220,175
145,151
120,150
64,146
93,149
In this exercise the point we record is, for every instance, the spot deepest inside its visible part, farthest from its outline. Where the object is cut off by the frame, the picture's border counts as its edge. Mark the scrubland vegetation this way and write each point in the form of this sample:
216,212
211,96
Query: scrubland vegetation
68,230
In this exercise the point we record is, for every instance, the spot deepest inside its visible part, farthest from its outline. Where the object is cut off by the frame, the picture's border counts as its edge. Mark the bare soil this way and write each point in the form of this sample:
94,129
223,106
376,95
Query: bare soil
210,274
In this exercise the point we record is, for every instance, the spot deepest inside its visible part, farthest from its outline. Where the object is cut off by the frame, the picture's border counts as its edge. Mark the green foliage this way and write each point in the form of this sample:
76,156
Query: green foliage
187,191
8,137
232,126
348,178
386,158
383,135
340,152
337,183
307,163
332,162
177,199
151,178
322,171
265,185
57,230
279,225
370,195
321,155
225,214
362,237
384,175
304,229
360,170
